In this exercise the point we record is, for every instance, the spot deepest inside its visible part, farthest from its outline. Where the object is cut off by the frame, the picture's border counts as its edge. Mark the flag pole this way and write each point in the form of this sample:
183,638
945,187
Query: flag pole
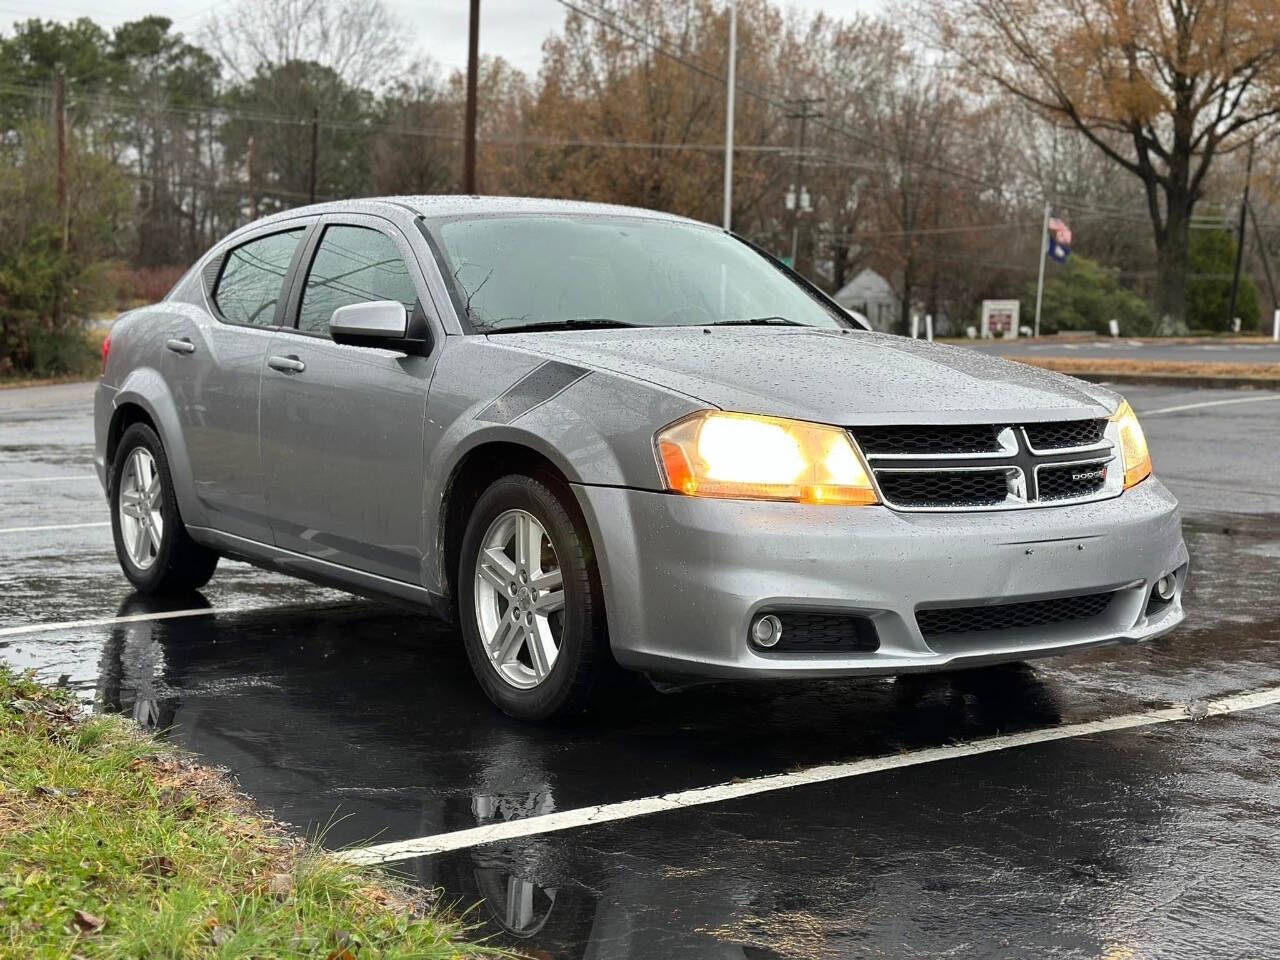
1044,249
730,86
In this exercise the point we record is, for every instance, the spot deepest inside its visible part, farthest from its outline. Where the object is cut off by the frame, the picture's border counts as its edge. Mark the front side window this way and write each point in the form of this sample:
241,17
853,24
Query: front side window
353,265
508,273
252,277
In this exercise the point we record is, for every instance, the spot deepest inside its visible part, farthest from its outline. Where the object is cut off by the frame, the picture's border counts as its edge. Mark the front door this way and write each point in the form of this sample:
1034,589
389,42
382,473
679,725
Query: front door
342,426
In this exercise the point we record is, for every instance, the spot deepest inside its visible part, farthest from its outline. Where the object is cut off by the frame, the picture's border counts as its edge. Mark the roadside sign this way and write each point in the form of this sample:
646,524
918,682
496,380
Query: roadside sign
1000,318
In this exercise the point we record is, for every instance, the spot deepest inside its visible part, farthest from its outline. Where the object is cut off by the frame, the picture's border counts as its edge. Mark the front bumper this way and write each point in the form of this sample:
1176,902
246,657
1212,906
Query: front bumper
684,577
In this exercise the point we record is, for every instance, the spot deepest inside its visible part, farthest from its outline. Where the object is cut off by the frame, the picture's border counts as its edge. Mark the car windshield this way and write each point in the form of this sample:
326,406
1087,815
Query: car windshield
518,272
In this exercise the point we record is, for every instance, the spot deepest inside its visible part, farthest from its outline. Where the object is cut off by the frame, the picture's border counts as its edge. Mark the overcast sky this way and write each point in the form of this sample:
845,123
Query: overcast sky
512,28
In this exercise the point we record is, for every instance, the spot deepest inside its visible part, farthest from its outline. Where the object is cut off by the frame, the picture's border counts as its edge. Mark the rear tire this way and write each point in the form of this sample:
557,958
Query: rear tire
536,655
154,549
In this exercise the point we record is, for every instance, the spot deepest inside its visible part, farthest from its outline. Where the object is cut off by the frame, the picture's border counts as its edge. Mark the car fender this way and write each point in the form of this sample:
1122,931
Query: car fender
596,431
146,388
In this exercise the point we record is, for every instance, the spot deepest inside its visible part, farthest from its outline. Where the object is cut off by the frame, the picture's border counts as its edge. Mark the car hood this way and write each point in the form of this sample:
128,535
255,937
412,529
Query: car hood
827,376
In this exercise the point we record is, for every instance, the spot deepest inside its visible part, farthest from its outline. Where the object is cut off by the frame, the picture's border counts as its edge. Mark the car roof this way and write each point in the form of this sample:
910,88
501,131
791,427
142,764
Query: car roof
461,206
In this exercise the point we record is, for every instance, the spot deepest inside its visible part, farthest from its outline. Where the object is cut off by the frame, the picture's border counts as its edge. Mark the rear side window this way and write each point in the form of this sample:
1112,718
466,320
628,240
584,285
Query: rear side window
252,278
353,265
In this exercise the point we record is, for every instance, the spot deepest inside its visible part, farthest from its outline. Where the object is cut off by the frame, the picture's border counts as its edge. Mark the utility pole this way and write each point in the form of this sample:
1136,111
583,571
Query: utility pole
315,149
1044,251
1244,206
1266,262
469,136
60,124
253,192
804,113
728,114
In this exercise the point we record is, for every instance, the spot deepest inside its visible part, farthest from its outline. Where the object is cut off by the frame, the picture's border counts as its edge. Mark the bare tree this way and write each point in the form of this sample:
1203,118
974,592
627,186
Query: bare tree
360,40
1161,87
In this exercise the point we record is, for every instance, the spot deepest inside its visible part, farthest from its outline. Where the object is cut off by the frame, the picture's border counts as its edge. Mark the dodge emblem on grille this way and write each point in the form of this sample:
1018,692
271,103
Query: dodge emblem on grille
1097,474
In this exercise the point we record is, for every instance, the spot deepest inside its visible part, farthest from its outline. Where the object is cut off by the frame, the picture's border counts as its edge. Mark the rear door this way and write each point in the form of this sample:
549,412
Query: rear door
342,426
214,370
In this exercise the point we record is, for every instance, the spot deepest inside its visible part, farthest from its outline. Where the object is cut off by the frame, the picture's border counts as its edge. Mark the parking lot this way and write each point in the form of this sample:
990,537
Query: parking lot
868,818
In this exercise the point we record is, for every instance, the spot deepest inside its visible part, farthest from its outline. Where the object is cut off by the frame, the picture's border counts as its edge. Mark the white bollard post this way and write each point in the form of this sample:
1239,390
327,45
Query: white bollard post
915,326
1115,328
1275,335
928,327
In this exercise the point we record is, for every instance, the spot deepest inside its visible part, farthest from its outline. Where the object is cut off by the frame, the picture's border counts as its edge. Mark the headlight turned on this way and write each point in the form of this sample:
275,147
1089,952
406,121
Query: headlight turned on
743,456
1133,445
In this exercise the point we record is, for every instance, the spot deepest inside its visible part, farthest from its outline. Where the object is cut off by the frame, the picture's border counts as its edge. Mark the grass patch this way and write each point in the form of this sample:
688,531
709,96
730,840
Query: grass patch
113,845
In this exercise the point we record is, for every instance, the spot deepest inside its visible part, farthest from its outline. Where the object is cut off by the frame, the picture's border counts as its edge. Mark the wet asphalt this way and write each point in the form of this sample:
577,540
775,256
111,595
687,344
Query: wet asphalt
360,722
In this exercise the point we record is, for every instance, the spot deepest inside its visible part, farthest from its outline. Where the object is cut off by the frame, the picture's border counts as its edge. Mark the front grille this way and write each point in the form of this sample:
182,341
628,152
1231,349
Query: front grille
1068,433
925,440
988,467
1072,480
826,633
944,489
1011,616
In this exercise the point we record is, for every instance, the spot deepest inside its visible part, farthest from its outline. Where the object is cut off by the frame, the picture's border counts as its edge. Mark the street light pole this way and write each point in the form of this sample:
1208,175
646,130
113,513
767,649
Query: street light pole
730,87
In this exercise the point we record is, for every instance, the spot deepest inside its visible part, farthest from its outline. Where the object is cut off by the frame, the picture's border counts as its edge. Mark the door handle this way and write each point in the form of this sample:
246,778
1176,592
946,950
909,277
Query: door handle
181,346
286,364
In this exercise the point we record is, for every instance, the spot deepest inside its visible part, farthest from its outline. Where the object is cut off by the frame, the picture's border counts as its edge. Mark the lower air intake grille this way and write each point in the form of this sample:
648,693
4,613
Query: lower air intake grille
944,488
1011,616
826,633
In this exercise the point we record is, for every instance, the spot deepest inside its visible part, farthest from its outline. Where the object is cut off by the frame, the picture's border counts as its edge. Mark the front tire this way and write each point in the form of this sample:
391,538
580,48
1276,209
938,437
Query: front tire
153,547
529,600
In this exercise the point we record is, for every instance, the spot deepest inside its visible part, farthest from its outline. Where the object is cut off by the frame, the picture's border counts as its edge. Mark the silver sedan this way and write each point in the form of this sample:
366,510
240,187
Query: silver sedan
598,437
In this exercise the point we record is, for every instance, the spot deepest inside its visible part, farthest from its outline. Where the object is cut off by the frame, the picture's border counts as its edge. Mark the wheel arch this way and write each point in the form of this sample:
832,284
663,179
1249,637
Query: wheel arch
144,398
471,475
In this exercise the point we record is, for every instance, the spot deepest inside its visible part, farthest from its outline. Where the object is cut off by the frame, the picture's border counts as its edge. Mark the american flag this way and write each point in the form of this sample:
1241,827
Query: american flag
1059,240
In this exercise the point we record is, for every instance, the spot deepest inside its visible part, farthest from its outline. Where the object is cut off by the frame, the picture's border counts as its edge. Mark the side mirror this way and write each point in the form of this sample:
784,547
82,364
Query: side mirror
378,323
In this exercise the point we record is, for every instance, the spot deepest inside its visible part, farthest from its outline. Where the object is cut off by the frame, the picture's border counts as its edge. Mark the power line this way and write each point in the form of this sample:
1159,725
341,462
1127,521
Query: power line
772,98
213,111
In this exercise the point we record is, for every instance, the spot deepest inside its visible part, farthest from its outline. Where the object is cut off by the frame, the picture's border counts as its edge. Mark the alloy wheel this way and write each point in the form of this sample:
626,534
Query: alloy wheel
141,508
519,599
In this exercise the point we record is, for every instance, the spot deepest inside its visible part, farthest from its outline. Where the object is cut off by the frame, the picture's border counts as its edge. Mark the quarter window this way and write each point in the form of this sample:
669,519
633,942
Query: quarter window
353,265
252,277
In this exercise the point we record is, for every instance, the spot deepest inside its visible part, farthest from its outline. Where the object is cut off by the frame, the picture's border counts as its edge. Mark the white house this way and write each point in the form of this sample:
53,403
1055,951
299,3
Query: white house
872,296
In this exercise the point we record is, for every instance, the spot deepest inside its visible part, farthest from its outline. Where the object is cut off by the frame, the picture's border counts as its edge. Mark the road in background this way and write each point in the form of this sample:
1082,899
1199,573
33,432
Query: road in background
363,721
1208,351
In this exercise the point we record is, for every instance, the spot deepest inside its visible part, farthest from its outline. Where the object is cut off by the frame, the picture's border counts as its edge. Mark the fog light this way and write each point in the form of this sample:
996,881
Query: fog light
1166,587
766,631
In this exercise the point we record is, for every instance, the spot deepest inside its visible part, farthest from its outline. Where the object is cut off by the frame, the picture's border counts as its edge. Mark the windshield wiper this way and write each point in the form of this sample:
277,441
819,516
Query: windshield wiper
581,323
756,322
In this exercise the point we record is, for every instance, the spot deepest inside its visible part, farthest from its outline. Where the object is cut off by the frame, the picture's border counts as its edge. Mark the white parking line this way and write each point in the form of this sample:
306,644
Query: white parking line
142,617
108,621
626,809
56,526
1208,403
77,477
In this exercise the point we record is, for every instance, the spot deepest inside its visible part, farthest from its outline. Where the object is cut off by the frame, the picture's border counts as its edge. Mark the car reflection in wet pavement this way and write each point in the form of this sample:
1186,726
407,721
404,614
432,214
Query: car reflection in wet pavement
360,722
